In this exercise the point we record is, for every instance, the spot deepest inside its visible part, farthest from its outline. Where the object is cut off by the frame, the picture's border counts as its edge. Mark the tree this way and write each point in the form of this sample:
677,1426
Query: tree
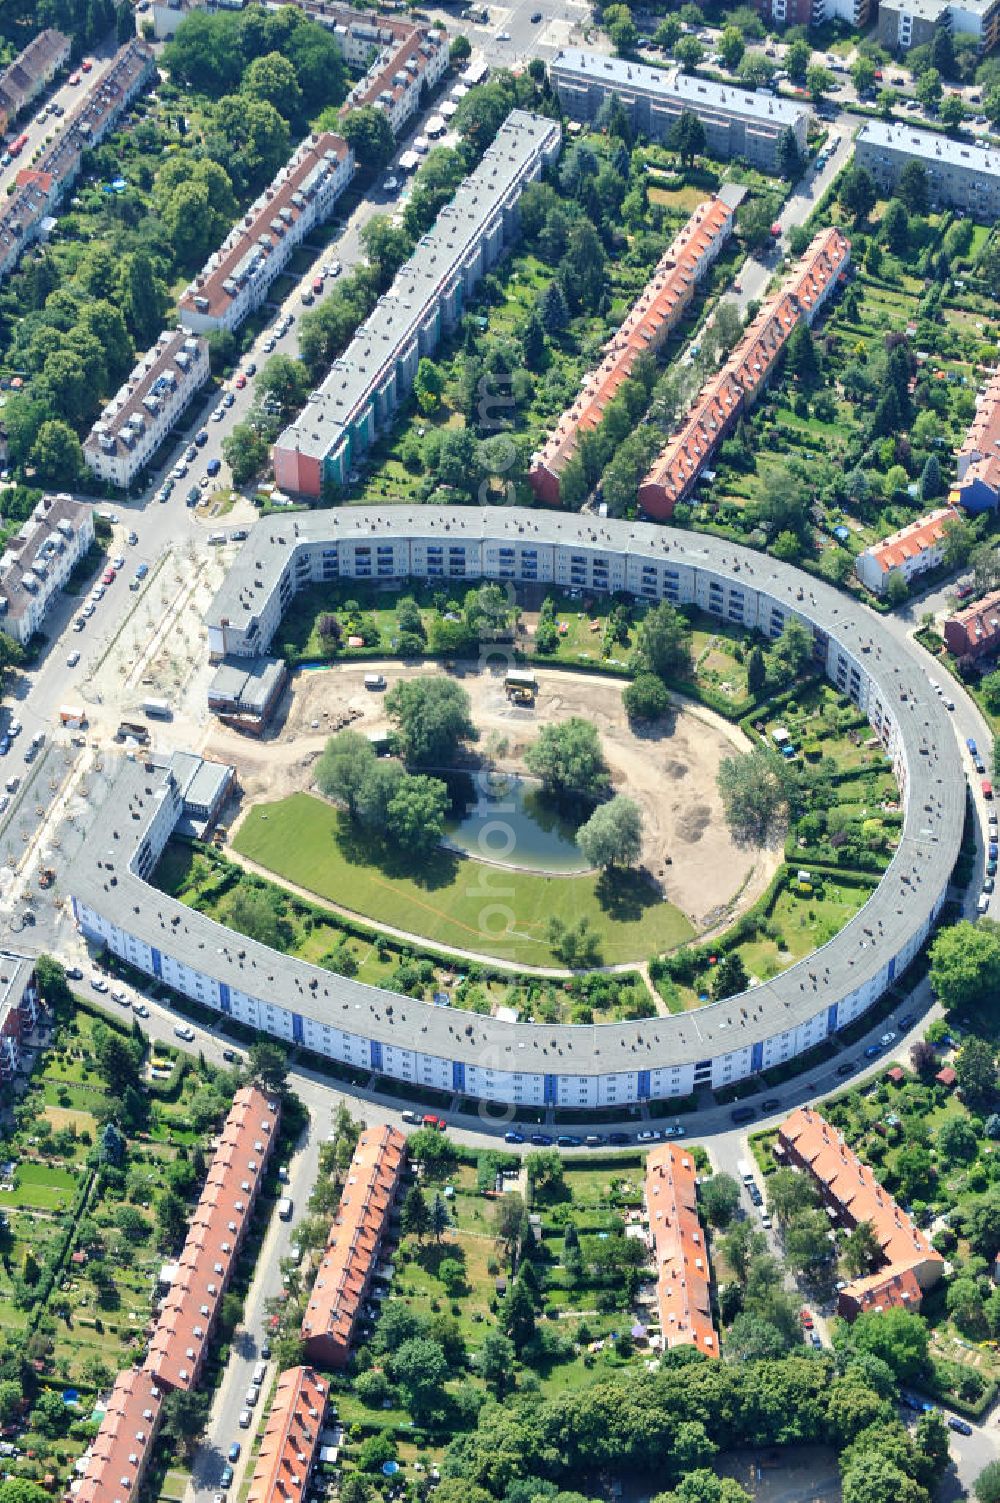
246,452
857,193
911,190
553,309
931,482
689,53
756,670
420,1369
283,383
267,1066
789,1193
118,1059
928,89
257,913
612,836
895,227
687,136
460,49
965,965
797,57
741,1246
428,385
664,643
789,156
143,300
496,1363
568,759
730,976
754,219
433,719
964,1303
731,47
703,1486
645,698
415,1216
953,112
931,1439
861,1250
819,81
185,1414
863,73
801,357
720,1198
957,1142
416,813
987,1486
754,787
56,455
341,771
440,1217
516,1316
899,1337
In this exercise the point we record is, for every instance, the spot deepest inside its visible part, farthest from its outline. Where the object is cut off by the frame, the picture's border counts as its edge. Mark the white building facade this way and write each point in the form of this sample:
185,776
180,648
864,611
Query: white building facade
38,560
135,422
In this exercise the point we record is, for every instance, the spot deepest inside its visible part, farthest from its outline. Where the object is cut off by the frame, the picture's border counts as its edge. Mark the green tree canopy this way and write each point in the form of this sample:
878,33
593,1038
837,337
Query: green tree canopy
567,757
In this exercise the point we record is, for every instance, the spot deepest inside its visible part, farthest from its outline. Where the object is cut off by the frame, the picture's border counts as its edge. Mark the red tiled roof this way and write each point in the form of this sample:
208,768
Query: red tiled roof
216,1231
657,311
913,539
741,378
892,1289
852,1188
413,50
263,226
683,1281
946,1076
343,1274
977,627
124,1441
981,444
291,1438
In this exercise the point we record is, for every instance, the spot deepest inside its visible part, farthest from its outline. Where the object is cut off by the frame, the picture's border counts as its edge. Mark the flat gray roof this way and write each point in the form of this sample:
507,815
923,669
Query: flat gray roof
122,802
671,83
400,312
930,146
250,679
15,972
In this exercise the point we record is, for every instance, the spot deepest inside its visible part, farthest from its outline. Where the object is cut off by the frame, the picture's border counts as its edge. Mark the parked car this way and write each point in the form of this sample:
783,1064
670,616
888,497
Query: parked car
184,1031
513,1137
873,1050
648,1135
227,1476
229,1055
141,1010
73,659
677,1131
234,1451
887,1038
618,1138
772,1104
566,1140
541,1139
411,1116
742,1114
960,1425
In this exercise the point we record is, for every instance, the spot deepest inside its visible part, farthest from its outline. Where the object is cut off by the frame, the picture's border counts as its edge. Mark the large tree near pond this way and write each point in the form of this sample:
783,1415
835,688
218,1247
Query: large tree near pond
612,835
568,759
433,718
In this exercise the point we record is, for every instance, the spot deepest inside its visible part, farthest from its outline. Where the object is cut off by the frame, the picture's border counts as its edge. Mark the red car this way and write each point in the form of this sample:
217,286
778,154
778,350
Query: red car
431,1121
87,64
108,577
241,381
806,1319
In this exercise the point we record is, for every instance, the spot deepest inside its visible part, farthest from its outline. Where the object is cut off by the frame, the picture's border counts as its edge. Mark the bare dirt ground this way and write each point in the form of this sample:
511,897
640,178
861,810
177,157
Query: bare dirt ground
670,771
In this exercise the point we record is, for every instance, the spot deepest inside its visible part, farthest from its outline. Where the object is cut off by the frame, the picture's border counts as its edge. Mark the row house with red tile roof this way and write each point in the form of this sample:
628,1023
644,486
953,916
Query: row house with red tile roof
218,1228
852,1194
410,64
116,1462
23,80
237,277
975,631
650,322
39,188
977,487
352,1250
911,551
683,1271
290,1442
738,384
138,418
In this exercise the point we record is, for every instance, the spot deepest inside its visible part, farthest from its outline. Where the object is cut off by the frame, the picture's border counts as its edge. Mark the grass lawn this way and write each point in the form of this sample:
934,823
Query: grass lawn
460,903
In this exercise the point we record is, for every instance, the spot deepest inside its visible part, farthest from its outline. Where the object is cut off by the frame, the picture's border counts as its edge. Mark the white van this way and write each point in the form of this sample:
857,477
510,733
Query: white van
253,1394
374,681
285,1208
984,902
259,1374
216,538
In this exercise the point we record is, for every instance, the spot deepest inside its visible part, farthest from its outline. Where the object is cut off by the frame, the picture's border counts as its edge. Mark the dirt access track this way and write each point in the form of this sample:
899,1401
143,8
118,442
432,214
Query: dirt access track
669,769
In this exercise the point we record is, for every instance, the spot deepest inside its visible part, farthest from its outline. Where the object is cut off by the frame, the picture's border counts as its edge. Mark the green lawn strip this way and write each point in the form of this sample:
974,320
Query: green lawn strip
456,902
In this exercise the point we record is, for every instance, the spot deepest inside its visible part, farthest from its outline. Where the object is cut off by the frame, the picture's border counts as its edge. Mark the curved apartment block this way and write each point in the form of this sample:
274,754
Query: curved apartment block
134,806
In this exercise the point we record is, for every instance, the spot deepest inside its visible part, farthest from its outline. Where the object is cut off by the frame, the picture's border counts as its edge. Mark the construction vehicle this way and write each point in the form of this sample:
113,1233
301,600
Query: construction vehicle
133,729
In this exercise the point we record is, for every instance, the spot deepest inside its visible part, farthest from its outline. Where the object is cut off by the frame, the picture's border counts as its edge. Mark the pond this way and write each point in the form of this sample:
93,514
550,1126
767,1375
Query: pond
509,820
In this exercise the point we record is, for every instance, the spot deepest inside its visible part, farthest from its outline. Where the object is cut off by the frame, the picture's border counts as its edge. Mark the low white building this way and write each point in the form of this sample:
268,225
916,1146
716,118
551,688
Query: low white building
39,560
236,278
137,420
911,551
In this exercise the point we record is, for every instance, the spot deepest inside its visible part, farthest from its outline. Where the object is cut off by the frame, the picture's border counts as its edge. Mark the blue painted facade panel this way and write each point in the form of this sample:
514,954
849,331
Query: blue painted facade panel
298,1028
458,1075
757,1056
157,959
831,1017
551,1090
376,1054
643,1085
225,999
